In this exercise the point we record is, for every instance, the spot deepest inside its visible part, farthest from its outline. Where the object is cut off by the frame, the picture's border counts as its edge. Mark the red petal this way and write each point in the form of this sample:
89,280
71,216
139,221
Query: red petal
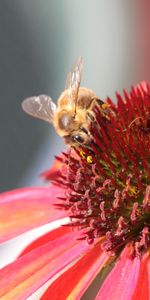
25,209
73,283
142,291
121,281
23,277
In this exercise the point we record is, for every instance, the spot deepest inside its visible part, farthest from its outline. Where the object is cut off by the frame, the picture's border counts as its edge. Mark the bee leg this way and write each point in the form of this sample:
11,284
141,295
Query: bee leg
90,116
84,130
96,101
103,106
99,101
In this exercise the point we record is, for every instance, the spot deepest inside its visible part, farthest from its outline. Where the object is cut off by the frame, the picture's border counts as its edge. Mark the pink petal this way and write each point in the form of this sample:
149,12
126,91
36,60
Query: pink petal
73,283
23,277
46,238
122,280
142,291
25,209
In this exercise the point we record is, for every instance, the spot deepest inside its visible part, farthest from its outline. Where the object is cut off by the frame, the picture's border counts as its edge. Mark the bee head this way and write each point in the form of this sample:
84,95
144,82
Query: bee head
77,138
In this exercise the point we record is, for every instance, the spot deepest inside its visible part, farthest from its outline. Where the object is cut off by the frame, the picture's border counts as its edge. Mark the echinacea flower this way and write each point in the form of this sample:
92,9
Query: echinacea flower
103,191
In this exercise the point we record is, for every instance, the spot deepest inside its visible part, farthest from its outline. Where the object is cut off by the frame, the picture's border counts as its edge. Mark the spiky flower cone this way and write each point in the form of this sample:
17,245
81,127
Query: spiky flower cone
108,183
105,190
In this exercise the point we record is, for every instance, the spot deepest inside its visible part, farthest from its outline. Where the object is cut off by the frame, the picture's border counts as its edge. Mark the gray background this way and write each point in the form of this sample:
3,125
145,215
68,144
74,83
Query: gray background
39,41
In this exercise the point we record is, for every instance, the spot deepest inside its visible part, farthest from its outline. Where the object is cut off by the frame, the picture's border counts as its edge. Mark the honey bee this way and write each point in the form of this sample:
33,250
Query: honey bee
72,115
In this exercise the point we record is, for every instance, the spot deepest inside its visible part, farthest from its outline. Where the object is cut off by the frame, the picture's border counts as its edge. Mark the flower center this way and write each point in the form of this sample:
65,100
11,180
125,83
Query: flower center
108,183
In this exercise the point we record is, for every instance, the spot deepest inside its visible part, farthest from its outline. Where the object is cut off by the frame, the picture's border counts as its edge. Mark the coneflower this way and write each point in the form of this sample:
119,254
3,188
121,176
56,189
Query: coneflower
104,191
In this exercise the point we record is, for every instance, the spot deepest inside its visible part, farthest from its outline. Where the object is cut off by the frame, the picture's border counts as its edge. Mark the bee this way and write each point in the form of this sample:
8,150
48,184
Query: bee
73,114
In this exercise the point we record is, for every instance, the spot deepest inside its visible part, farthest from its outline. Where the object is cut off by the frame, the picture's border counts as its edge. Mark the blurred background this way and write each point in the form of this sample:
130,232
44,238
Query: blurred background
39,42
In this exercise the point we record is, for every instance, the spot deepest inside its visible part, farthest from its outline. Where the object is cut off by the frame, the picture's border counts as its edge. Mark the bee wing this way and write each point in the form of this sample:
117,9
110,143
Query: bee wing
41,107
73,81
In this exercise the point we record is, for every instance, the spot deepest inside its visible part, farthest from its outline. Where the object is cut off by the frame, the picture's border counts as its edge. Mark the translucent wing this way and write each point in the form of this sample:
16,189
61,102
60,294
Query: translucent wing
73,81
41,107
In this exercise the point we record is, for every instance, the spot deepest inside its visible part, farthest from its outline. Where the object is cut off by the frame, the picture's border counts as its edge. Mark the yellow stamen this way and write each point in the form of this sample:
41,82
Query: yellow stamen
82,153
89,159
